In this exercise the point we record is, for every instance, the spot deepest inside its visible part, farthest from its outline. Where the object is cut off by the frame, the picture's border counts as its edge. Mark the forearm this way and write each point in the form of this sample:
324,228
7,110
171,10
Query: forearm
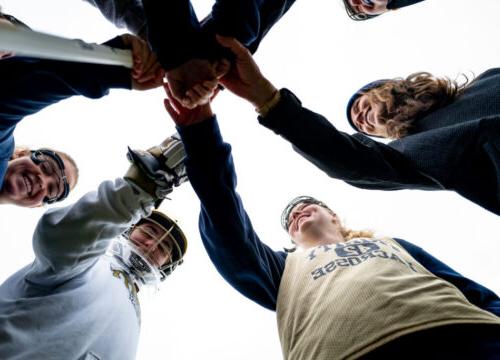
74,234
361,162
238,19
227,233
477,294
173,31
31,85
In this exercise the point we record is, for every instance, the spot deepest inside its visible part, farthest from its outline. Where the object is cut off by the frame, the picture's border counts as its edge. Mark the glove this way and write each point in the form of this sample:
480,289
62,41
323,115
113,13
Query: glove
159,169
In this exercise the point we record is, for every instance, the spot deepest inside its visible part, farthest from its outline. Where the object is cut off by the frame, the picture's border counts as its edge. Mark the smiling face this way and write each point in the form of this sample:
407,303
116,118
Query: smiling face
153,242
27,184
307,222
366,116
368,7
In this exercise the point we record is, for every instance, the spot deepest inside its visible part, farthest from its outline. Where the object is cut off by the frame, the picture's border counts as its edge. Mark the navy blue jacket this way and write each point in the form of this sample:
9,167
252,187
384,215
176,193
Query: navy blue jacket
176,35
249,265
396,4
29,85
456,147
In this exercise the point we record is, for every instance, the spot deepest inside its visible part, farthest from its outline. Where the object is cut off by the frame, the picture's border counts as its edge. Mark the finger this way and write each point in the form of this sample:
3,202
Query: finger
171,97
148,58
222,67
158,79
216,91
145,78
170,109
155,74
151,62
210,85
192,97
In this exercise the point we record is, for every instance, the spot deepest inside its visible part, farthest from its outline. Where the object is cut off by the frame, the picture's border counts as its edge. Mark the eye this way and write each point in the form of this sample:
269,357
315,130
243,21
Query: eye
46,168
52,191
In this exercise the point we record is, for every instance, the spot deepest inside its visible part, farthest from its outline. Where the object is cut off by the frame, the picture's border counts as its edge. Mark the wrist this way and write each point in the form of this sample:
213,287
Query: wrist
269,104
263,94
205,113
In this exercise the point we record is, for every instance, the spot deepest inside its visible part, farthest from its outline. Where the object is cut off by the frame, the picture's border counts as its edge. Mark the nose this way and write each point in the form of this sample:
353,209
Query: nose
295,213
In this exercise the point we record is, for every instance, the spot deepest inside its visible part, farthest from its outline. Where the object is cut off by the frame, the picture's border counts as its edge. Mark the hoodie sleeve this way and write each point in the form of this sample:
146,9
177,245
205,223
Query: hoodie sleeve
68,240
29,85
250,266
359,161
396,4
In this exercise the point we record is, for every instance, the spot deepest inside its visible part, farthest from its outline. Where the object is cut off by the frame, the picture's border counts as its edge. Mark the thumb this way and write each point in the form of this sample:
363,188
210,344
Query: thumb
232,44
222,68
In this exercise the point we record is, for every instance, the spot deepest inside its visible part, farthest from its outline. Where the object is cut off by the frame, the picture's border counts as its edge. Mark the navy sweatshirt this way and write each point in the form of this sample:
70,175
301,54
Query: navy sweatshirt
176,35
396,4
249,265
456,147
30,85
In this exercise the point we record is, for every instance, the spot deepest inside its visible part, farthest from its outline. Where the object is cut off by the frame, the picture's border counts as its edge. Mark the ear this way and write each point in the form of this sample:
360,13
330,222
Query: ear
20,151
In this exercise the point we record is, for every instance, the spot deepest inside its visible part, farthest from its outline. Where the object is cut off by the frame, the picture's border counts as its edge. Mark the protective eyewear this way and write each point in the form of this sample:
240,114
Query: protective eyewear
285,215
354,15
52,165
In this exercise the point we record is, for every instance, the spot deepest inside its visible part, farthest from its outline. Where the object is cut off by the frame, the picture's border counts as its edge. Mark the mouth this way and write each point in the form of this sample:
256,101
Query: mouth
28,185
300,220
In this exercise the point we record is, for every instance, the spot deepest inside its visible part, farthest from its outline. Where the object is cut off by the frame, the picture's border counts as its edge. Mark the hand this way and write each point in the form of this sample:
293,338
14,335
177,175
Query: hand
6,54
183,116
8,25
146,72
195,82
159,169
244,79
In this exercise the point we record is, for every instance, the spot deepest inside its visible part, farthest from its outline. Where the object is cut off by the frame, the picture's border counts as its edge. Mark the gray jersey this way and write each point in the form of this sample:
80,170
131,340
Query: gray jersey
73,302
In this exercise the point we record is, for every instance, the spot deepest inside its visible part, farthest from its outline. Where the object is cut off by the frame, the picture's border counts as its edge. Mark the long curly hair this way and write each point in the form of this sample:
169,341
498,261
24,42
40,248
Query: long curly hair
405,100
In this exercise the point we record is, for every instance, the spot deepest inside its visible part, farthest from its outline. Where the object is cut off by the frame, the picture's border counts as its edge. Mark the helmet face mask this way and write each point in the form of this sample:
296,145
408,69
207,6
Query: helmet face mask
141,263
129,257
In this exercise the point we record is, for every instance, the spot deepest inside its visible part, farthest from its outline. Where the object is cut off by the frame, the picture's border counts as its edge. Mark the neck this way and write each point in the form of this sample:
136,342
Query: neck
322,237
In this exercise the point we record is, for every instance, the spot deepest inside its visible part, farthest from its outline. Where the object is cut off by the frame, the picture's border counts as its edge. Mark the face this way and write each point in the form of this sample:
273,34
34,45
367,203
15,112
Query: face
369,7
27,184
365,114
149,238
306,219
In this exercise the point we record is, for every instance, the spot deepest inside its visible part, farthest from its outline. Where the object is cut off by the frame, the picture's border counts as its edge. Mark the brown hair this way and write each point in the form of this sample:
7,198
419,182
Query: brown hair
349,234
405,100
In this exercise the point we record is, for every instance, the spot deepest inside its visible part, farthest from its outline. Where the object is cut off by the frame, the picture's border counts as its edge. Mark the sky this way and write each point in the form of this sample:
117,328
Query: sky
323,57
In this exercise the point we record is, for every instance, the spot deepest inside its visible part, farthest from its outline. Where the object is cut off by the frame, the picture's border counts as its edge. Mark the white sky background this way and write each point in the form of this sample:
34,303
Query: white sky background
321,55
